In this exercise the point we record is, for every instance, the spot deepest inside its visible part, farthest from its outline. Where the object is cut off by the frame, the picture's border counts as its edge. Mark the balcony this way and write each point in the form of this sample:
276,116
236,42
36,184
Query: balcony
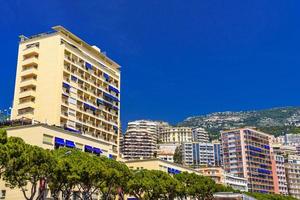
30,61
28,104
28,93
32,50
27,82
29,71
26,112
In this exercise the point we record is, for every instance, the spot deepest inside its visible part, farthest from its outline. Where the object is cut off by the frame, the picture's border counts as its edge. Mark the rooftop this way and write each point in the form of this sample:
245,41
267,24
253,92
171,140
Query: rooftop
76,39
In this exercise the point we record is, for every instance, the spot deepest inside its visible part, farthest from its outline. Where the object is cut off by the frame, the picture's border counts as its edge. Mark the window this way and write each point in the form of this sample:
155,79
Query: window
79,146
2,194
47,139
73,90
72,101
72,112
71,123
37,44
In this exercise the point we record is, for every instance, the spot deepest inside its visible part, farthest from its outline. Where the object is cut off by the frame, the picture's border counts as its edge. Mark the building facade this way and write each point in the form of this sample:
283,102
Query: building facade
281,175
140,140
292,139
219,176
197,154
175,135
218,153
292,168
248,154
157,164
63,81
200,135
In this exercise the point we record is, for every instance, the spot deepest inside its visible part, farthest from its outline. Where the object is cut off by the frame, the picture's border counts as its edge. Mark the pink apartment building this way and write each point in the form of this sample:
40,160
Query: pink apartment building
248,153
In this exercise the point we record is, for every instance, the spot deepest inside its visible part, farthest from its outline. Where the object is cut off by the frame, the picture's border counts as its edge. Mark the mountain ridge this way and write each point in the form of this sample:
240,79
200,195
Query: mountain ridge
276,121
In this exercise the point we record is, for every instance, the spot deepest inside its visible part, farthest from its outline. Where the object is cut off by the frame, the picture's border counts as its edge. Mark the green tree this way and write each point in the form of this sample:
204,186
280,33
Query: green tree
153,184
116,177
64,177
91,171
196,186
145,184
177,156
24,166
3,150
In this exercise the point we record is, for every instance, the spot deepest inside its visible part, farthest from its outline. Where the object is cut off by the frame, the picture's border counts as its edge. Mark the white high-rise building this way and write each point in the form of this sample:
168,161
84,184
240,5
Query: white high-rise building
197,154
281,175
140,140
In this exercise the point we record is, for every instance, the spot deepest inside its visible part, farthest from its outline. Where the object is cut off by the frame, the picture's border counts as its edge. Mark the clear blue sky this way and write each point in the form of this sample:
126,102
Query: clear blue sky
178,58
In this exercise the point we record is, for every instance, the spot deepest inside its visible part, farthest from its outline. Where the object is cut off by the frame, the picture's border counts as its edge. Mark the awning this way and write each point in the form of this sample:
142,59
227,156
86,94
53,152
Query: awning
59,141
173,171
66,85
111,97
113,89
108,105
72,130
88,65
97,150
88,148
99,101
87,106
106,76
70,144
115,108
73,78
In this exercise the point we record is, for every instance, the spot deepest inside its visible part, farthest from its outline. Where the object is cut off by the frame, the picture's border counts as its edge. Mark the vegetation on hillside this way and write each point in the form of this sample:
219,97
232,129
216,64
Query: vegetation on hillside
275,121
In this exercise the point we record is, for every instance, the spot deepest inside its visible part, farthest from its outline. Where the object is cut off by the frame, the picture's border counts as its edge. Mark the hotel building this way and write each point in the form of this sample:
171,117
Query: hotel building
248,153
63,81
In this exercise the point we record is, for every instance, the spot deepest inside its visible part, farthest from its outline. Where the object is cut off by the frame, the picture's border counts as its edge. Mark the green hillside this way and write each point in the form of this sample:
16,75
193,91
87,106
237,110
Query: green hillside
275,121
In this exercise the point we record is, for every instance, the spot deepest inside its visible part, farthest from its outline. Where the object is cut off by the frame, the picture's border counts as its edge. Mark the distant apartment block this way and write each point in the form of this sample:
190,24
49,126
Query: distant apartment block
292,168
218,153
219,176
200,135
197,154
281,175
63,81
175,135
291,139
248,153
140,140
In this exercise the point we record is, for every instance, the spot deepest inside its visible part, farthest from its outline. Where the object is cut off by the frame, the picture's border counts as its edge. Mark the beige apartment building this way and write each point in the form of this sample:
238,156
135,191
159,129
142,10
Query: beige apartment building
69,92
219,176
63,81
175,135
292,170
158,164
